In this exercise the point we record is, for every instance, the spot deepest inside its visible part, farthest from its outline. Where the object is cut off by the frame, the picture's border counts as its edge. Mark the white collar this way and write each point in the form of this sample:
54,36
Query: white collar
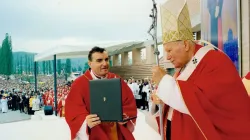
94,77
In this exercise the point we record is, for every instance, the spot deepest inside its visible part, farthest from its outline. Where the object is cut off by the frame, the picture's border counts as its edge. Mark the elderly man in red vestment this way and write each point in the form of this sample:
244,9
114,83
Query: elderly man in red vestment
86,126
206,99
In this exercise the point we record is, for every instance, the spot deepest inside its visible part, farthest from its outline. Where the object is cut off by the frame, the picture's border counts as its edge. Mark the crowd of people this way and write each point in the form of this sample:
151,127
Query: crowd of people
142,89
15,95
49,100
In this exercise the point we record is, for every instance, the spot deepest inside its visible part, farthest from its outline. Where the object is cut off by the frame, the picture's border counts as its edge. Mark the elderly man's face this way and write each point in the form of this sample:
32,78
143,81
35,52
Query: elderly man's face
177,53
100,63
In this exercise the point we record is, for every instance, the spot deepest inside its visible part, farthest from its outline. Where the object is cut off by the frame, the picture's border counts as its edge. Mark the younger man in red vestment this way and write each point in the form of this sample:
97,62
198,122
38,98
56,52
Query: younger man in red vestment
86,126
206,100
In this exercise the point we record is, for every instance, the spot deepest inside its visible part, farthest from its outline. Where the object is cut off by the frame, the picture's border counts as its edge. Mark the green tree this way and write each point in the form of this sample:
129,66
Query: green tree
14,65
3,57
79,68
74,69
32,65
44,67
10,67
59,66
63,68
68,66
21,65
86,67
6,60
49,67
40,67
26,64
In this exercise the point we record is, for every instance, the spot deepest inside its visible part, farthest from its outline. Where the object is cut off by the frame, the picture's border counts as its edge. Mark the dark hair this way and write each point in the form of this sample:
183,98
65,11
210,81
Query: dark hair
94,50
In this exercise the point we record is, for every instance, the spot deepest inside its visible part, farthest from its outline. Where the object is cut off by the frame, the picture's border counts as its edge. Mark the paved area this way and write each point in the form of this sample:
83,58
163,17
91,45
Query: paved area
13,116
55,128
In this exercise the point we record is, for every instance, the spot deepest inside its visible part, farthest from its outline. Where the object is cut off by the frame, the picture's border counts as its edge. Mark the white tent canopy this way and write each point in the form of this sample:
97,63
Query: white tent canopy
62,52
70,51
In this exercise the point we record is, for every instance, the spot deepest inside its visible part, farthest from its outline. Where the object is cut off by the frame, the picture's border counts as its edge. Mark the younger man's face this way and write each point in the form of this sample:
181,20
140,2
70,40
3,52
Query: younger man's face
100,63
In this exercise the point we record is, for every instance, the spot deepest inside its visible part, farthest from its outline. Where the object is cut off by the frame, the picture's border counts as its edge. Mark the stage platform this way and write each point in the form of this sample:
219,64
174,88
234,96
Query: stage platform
41,127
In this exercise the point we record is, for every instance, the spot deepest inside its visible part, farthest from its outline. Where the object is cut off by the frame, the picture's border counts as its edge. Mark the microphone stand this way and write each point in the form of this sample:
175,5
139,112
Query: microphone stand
153,15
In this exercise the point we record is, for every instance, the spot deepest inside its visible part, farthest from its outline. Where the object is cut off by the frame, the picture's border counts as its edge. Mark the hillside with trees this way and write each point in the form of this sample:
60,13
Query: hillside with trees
23,62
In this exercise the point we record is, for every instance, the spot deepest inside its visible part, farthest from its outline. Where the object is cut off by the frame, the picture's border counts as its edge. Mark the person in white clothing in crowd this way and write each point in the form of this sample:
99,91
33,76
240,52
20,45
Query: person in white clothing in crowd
4,104
135,89
36,103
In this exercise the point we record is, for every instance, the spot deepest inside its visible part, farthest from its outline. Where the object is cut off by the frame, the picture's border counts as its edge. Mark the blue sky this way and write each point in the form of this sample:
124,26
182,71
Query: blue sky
37,25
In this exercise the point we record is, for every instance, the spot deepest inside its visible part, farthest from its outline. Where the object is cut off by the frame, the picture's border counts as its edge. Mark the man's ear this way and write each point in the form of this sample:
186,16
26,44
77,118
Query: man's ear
89,63
186,45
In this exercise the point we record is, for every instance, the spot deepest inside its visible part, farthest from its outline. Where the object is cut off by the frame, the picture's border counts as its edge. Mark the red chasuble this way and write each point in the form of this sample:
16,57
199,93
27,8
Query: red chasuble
50,101
44,96
77,107
217,101
61,108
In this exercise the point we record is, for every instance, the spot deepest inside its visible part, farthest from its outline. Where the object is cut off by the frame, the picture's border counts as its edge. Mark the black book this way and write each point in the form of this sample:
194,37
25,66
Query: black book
106,99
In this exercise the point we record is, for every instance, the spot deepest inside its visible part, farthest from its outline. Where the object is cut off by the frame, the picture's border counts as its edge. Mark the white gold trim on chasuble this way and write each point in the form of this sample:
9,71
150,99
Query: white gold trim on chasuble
193,63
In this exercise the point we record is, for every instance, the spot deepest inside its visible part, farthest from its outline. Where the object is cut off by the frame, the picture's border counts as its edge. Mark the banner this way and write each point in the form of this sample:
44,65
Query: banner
219,26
